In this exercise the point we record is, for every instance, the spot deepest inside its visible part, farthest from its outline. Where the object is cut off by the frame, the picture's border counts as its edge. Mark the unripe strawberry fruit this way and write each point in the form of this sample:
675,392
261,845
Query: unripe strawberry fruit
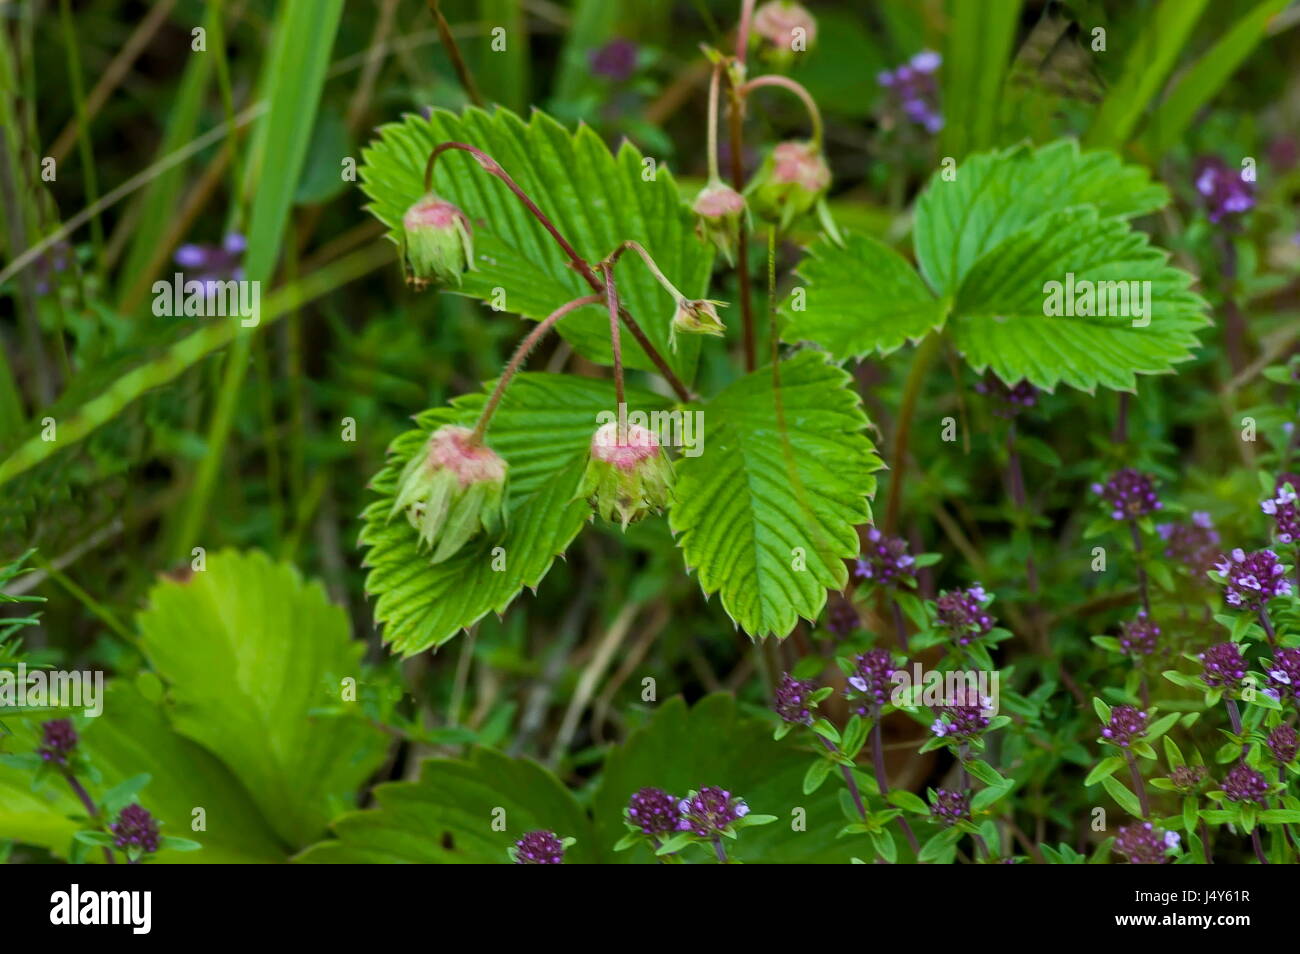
628,474
437,244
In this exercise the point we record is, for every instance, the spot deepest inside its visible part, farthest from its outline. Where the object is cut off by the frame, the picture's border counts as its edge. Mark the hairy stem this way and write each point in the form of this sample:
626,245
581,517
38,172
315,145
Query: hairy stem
715,83
718,849
1259,848
742,31
921,361
736,120
849,780
611,297
1139,785
1141,570
453,52
1267,623
80,791
784,82
521,354
492,167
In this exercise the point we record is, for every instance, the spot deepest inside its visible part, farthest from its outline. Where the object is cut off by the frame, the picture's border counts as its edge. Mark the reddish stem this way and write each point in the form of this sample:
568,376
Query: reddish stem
611,297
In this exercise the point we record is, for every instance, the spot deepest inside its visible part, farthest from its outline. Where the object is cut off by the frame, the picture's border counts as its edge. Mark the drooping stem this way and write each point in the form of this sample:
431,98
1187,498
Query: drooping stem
921,361
1139,785
849,780
453,53
715,84
878,757
658,274
784,82
736,121
521,354
611,297
492,167
1142,572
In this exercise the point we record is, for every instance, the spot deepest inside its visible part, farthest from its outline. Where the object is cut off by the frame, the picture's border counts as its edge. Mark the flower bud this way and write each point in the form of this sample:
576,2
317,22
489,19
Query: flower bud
451,490
695,316
437,244
789,183
628,474
784,28
718,209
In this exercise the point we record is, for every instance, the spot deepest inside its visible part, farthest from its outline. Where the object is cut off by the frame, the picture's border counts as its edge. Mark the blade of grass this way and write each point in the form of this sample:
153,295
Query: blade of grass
184,354
975,62
87,154
292,83
1199,84
503,74
1146,67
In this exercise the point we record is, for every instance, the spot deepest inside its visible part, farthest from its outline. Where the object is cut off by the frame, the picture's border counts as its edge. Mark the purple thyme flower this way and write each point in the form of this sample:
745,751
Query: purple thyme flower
616,60
1222,188
962,722
913,90
1139,638
885,561
1007,402
539,848
1286,517
1224,667
1284,674
654,811
210,264
1282,742
710,811
962,614
54,260
1129,494
792,700
869,685
1252,579
1144,844
1187,778
135,828
1127,725
949,807
1195,544
841,617
1244,784
58,739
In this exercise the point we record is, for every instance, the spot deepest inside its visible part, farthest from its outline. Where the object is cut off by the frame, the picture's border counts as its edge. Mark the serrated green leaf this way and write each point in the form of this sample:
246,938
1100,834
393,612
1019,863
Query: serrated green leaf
999,320
767,497
859,298
596,199
453,815
994,195
543,429
248,650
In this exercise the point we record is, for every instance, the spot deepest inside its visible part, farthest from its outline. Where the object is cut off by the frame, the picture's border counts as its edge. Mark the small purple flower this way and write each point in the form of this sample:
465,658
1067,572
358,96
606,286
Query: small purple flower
710,811
54,260
1007,402
1139,637
654,811
1284,674
913,90
948,807
792,700
1187,778
962,614
1282,742
616,60
1129,494
961,722
1224,667
210,264
1195,544
135,828
1144,844
885,561
1222,188
538,848
58,739
869,686
841,617
1245,784
1252,579
1286,517
1127,725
